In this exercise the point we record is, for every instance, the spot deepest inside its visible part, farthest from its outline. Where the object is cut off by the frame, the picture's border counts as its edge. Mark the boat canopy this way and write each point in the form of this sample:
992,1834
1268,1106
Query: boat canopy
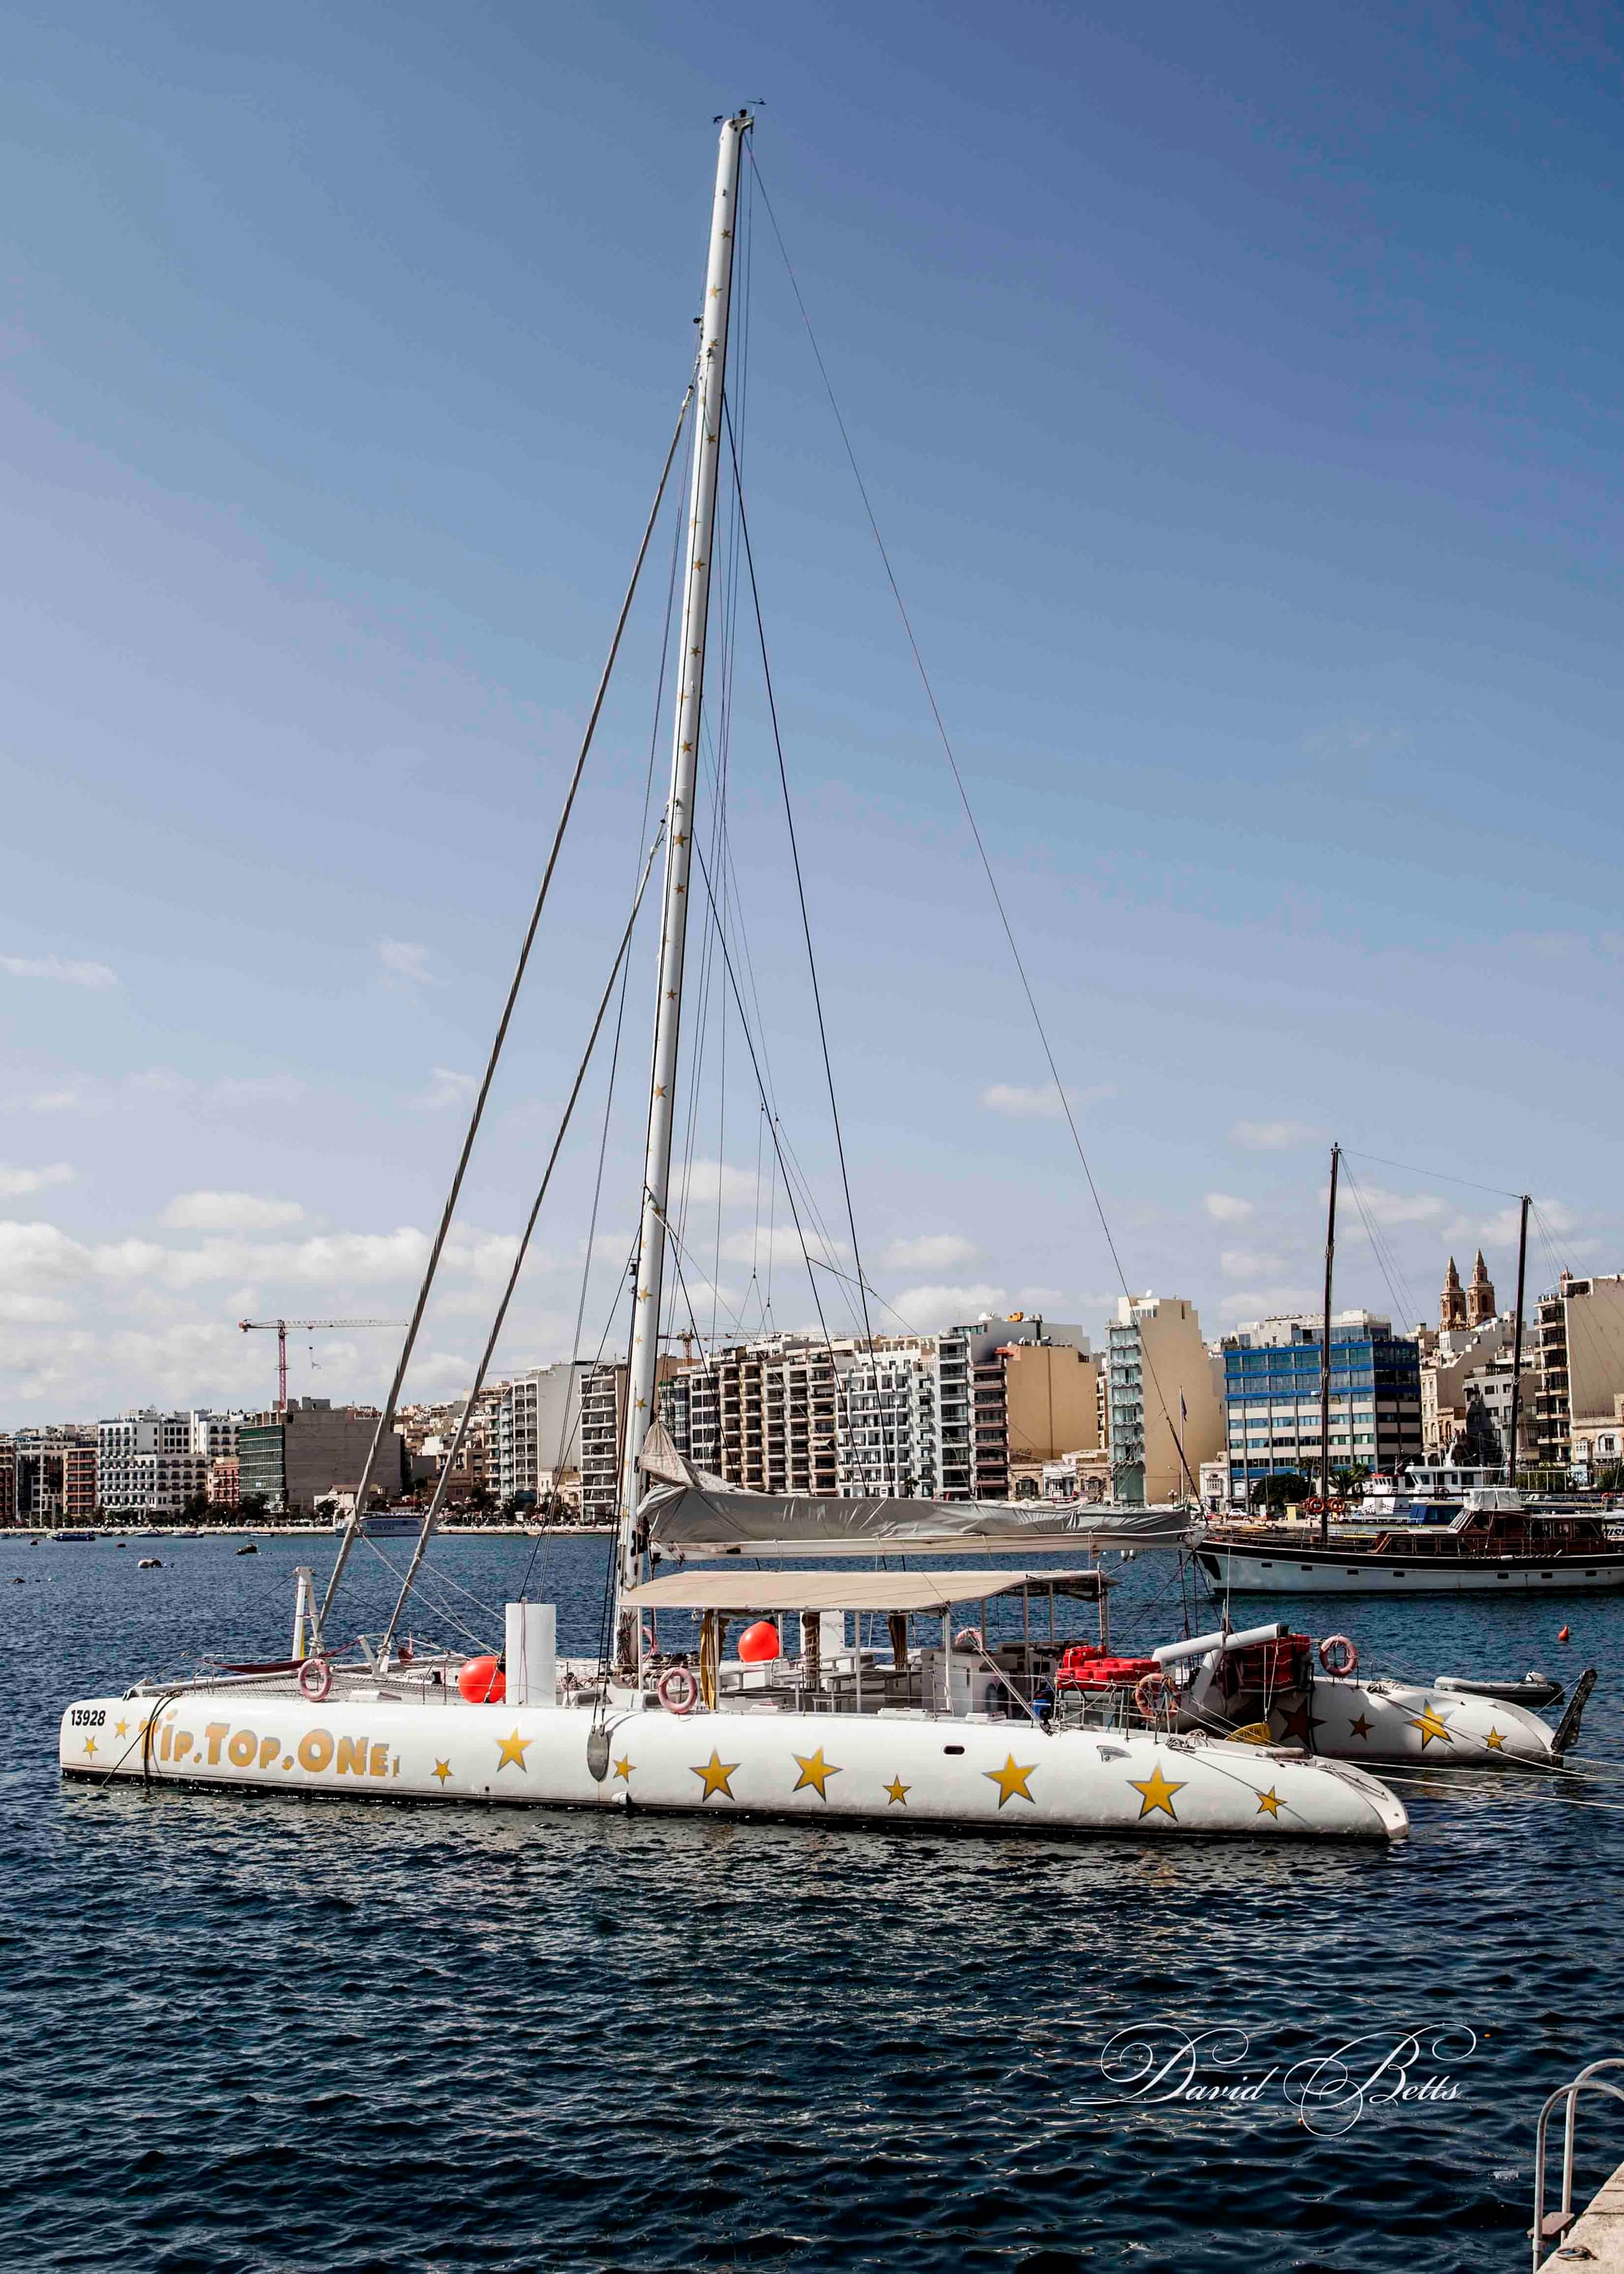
710,1590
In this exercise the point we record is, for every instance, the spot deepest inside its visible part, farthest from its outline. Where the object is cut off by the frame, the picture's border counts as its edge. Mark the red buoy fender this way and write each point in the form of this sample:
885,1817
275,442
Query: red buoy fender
969,1638
481,1682
759,1645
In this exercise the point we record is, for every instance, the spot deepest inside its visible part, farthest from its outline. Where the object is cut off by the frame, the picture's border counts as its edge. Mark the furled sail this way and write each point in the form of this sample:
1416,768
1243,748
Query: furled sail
689,1510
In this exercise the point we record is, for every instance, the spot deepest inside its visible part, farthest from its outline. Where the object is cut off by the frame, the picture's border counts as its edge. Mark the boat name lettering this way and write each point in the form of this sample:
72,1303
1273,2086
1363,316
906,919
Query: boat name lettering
247,1748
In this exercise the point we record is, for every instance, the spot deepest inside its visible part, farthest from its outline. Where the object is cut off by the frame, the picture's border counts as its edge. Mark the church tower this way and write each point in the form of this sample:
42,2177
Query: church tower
1452,1302
1480,1307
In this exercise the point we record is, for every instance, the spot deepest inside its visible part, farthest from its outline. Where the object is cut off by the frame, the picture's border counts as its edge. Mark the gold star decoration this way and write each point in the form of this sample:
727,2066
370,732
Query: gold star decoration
897,1792
1268,1803
90,1744
1011,1780
816,1772
121,1728
1429,1726
442,1770
513,1750
1496,1741
1158,1793
1359,1728
624,1768
715,1773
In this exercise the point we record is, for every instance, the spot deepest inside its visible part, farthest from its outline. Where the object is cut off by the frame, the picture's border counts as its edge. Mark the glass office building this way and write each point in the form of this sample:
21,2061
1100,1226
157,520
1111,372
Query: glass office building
1271,1380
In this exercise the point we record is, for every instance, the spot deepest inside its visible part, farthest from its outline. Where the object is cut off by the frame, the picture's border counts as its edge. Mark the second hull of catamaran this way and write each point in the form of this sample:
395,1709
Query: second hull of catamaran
1000,1776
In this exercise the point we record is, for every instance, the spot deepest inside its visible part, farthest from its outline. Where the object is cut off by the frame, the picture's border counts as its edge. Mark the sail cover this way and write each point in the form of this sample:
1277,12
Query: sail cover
689,1509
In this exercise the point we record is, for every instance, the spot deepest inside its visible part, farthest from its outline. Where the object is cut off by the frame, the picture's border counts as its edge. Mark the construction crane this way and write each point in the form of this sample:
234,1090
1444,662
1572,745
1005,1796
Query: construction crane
281,1327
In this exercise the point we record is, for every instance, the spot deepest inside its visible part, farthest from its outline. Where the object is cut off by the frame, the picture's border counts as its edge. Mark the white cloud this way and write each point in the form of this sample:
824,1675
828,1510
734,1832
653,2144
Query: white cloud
16,1183
445,1088
930,1251
207,1211
1042,1102
30,1310
41,1255
92,1095
1500,1229
1224,1208
782,1245
1271,1136
709,1180
929,1308
1395,1207
404,963
55,966
1251,1303
1241,1263
252,1089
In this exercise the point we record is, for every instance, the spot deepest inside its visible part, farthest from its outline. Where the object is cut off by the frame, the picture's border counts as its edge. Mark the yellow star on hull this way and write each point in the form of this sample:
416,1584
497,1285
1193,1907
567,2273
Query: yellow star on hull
816,1772
1157,1792
715,1774
513,1752
1011,1780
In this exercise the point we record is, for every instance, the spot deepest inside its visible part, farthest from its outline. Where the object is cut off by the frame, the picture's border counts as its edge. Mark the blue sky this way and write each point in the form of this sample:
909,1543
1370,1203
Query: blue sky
1238,391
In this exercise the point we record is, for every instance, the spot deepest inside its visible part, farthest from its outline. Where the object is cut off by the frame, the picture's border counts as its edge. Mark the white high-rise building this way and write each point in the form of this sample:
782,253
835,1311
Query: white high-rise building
151,1464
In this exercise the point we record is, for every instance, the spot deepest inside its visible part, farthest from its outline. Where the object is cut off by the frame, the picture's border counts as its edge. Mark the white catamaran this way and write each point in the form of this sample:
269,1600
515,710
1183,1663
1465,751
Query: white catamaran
984,1726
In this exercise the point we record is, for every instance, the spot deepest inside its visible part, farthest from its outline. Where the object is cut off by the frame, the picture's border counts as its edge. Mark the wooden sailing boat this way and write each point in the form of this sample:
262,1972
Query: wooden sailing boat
948,1726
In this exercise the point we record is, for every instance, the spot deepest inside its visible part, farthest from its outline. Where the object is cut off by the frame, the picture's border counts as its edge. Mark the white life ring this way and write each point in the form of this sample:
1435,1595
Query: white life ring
315,1679
969,1638
1153,1694
1340,1649
678,1690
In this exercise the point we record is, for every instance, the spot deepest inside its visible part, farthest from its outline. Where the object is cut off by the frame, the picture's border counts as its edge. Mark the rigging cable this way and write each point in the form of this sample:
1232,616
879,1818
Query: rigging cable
386,1419
500,1321
806,921
969,813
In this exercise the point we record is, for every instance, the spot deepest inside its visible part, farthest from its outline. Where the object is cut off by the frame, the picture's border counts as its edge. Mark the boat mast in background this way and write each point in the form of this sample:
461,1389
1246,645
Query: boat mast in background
1516,1347
1325,1357
709,377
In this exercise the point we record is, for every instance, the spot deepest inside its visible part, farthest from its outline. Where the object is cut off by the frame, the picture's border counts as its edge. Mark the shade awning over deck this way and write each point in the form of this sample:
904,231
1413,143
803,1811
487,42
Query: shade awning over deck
710,1590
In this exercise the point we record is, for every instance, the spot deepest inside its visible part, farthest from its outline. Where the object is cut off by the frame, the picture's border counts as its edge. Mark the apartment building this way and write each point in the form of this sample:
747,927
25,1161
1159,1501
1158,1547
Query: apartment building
315,1450
8,1481
533,1430
54,1474
922,1417
1165,1405
150,1464
1272,1398
1579,1357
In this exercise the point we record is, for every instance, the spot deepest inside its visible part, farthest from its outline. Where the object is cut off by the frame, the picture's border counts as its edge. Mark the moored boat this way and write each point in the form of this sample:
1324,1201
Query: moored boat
945,1732
965,1731
1495,1541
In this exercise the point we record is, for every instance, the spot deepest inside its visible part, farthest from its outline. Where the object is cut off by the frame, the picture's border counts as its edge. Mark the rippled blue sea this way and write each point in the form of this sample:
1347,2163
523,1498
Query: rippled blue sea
258,2034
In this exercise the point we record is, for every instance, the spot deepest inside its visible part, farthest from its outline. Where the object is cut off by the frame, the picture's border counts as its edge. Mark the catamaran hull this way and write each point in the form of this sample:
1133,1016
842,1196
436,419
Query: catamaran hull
1003,1777
1394,1724
1278,1571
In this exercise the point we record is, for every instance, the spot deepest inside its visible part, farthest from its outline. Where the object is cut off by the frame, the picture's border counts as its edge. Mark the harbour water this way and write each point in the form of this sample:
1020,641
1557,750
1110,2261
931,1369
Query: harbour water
257,2034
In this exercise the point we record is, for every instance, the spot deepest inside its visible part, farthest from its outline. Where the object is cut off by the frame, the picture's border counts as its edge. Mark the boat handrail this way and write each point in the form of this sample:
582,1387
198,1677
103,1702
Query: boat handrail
1550,2227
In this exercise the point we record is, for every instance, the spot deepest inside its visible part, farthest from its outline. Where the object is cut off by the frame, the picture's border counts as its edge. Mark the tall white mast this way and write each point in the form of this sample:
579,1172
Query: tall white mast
710,374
